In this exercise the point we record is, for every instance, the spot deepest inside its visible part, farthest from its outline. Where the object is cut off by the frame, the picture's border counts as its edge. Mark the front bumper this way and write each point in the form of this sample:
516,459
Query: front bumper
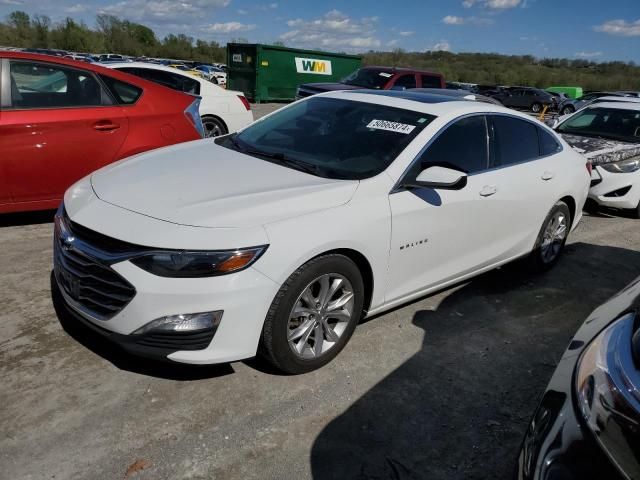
605,188
159,347
244,297
94,281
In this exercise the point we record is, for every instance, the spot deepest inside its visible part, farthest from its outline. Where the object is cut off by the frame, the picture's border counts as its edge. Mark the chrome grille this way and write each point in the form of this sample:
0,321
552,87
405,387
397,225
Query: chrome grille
84,275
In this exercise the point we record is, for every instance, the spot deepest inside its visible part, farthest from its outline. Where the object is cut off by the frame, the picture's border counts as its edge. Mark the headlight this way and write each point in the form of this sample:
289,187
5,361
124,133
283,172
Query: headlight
607,389
624,166
186,264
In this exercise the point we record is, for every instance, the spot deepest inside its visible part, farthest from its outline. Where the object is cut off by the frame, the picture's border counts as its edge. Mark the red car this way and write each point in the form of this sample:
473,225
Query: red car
377,78
62,119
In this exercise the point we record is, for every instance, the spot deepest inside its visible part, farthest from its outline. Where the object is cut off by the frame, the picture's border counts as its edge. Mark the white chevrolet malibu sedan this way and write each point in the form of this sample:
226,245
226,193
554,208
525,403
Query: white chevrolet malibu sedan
280,238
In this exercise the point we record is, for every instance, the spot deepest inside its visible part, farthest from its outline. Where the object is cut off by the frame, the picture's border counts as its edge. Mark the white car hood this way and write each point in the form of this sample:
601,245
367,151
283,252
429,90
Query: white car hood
203,184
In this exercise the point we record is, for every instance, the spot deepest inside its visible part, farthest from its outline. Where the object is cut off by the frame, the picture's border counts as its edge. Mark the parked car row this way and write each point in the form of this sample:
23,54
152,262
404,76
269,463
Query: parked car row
61,119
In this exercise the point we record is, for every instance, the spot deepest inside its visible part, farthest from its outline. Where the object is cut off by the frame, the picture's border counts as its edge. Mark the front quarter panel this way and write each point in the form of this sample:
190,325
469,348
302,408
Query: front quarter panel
363,225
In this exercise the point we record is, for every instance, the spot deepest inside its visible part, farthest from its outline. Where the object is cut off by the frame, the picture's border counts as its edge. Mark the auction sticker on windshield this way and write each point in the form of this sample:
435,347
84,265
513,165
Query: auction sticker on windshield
391,126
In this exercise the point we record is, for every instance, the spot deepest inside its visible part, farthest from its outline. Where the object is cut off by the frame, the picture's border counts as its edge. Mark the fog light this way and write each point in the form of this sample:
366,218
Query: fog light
183,323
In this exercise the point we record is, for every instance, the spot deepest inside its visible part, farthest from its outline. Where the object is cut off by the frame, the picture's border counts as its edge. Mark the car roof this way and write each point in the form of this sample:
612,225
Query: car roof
437,105
153,66
616,99
93,67
626,105
398,69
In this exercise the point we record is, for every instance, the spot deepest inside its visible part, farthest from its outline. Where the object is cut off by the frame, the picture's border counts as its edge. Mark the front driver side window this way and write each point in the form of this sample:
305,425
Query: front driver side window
462,146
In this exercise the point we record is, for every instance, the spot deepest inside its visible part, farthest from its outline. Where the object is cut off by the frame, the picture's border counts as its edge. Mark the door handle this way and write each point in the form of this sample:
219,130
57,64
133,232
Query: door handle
547,175
488,190
105,126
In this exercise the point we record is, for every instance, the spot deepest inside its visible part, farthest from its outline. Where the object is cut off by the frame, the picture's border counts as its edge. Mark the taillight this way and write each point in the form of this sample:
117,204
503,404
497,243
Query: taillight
245,102
193,115
589,168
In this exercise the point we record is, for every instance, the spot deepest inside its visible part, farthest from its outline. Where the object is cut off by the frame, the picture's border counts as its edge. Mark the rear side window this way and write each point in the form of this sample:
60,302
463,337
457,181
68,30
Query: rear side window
463,146
124,93
430,81
175,81
548,144
406,81
43,85
515,140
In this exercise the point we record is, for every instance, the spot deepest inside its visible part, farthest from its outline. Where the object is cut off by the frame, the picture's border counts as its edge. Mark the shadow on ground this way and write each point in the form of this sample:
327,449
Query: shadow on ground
459,407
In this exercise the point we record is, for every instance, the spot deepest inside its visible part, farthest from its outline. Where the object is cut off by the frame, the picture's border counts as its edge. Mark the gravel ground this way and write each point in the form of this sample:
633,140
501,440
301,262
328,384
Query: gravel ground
441,388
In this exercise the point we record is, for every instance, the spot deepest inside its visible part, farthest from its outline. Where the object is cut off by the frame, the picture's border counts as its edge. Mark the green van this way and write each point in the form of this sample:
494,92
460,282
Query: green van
571,92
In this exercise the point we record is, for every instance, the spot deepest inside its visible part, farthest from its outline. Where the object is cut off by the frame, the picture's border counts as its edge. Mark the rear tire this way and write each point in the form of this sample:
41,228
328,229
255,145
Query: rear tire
636,212
306,327
551,239
213,127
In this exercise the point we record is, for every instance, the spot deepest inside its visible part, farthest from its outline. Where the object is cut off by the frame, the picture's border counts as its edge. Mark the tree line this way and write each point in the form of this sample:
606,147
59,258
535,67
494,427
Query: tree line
113,35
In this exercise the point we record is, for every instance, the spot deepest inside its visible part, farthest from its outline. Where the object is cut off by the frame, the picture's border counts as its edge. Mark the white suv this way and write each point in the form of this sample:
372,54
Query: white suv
282,237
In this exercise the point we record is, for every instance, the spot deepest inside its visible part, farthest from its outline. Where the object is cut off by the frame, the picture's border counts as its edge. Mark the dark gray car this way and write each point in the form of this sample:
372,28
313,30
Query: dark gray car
525,98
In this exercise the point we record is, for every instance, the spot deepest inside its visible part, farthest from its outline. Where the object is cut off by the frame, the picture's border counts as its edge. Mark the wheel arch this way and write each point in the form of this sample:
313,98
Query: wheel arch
363,265
571,203
217,117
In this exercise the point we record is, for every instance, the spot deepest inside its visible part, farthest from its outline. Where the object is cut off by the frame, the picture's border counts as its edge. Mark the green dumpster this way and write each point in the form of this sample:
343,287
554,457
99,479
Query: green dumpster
272,73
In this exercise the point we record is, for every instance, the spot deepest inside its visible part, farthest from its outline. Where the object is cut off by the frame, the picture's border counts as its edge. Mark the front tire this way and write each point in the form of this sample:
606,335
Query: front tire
313,315
536,107
552,238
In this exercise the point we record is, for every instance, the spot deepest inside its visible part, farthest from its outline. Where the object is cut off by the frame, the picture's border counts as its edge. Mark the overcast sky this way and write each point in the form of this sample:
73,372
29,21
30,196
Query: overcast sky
590,29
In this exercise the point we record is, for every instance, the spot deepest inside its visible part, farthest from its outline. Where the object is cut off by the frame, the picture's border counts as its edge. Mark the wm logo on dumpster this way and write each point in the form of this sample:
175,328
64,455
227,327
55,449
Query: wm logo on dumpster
313,66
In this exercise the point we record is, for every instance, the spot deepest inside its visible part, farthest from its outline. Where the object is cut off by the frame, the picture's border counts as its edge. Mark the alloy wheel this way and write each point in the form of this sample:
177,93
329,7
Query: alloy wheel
554,236
212,128
320,316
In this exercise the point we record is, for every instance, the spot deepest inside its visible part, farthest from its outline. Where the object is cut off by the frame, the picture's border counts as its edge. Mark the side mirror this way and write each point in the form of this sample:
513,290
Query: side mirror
440,178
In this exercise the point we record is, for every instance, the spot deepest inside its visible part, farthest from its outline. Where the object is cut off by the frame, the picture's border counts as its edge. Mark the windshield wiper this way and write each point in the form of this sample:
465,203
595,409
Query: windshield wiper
282,159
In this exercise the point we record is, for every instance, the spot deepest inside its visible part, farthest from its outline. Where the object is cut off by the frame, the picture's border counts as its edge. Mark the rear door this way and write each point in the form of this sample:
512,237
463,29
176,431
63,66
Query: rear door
523,170
59,125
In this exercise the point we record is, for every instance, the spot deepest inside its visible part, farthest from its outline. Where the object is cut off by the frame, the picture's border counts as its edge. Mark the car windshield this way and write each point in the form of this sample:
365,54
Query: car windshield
368,78
610,123
331,138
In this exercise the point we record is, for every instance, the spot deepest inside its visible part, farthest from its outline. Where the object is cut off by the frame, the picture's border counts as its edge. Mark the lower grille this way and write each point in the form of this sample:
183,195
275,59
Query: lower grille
178,341
86,279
